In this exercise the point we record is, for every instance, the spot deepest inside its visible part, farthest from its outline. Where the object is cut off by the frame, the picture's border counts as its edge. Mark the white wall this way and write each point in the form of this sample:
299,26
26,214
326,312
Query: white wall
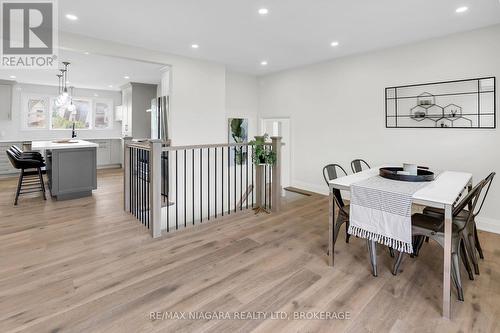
12,130
337,111
198,89
242,99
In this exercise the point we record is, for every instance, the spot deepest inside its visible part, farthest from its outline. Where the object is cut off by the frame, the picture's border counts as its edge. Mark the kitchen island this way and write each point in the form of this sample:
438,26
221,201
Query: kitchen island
71,167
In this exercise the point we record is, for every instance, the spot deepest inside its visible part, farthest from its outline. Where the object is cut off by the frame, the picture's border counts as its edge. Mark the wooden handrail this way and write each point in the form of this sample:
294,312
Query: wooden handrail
215,145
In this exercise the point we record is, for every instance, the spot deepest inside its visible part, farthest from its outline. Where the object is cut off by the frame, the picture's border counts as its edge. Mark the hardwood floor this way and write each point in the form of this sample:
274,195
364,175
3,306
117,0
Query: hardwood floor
87,266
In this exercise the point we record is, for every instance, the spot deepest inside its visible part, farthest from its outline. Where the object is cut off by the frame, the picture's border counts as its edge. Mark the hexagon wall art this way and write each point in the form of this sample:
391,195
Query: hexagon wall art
469,103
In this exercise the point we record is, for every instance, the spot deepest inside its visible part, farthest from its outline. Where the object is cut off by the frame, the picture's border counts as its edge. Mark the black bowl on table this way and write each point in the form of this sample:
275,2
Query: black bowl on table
423,174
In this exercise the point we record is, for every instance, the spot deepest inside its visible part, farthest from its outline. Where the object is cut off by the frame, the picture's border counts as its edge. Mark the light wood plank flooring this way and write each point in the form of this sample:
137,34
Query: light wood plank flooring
87,266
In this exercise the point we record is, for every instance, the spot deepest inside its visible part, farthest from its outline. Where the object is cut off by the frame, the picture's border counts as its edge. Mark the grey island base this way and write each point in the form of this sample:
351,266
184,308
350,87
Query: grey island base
71,168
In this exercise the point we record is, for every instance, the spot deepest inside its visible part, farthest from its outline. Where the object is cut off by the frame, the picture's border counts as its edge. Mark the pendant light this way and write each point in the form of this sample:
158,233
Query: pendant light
63,99
71,107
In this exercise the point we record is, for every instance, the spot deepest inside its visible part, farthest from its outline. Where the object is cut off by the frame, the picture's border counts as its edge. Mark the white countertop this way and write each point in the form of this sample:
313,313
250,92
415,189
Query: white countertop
36,145
443,190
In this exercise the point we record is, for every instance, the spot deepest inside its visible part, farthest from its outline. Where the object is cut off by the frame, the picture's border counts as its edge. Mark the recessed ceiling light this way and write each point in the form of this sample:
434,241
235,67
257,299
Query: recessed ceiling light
195,46
462,9
12,76
110,86
335,43
86,53
263,11
71,17
126,77
263,63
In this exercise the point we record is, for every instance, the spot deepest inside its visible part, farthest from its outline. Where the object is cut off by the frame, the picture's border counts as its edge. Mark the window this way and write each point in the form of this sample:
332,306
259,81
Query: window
64,117
39,111
103,114
35,114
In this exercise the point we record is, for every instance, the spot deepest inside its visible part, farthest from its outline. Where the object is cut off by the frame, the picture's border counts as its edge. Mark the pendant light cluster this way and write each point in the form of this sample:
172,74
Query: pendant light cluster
64,98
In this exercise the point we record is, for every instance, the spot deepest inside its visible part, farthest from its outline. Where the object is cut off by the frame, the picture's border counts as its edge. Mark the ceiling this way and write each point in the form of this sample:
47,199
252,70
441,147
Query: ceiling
294,33
91,71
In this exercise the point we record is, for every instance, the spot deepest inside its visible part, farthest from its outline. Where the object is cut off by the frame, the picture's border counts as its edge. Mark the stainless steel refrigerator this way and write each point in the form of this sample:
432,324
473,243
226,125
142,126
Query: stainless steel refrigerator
160,119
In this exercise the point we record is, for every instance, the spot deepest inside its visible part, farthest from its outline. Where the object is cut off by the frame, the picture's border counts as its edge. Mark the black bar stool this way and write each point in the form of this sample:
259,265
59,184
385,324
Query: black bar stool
30,164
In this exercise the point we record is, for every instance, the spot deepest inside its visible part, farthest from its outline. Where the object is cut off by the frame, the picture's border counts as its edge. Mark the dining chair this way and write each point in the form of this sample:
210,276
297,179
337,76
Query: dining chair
471,240
433,227
359,165
331,172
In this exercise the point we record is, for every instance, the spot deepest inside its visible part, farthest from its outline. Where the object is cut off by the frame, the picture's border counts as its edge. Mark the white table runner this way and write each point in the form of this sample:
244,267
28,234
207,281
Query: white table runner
380,210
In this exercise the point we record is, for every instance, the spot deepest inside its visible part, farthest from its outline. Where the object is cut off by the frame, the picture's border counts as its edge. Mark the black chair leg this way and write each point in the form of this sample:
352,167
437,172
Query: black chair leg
19,183
397,263
456,272
478,245
465,260
418,241
347,235
40,176
372,250
471,249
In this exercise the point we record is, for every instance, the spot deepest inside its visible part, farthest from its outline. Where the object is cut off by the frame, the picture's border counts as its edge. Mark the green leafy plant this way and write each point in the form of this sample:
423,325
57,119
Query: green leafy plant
262,154
239,135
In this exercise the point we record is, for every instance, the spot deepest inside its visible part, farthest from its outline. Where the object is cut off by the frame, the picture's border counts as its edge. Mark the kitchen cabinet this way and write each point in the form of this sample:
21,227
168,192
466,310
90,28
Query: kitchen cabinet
6,98
136,99
116,151
109,152
5,165
118,113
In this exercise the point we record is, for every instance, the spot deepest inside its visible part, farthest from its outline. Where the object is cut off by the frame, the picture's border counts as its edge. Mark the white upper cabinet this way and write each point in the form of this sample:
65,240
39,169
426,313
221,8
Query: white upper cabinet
6,99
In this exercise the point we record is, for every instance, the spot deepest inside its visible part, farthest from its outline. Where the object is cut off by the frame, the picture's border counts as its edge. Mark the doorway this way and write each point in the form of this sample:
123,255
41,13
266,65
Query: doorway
280,127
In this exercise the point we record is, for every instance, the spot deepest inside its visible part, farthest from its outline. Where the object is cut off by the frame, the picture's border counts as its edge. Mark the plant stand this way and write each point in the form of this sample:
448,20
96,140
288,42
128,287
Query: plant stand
260,207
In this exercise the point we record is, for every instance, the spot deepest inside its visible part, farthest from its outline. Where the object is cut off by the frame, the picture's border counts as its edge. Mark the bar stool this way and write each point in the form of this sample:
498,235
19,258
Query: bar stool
30,164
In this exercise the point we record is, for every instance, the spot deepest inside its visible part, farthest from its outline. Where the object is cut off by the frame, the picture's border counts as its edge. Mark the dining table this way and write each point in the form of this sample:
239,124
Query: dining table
443,192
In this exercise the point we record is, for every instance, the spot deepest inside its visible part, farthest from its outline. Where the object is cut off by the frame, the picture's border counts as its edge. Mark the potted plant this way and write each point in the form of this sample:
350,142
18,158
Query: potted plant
261,155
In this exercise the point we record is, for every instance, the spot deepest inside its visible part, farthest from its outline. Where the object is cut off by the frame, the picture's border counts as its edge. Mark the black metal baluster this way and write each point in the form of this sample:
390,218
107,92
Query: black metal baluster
162,177
132,182
176,190
185,190
134,173
147,188
265,184
241,177
253,184
215,181
247,192
137,208
270,184
222,179
235,202
208,182
228,180
142,187
192,183
139,182
168,190
131,172
201,185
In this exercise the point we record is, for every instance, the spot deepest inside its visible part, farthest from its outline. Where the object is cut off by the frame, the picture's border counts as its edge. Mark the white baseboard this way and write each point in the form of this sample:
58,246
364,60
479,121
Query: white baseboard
488,224
311,187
